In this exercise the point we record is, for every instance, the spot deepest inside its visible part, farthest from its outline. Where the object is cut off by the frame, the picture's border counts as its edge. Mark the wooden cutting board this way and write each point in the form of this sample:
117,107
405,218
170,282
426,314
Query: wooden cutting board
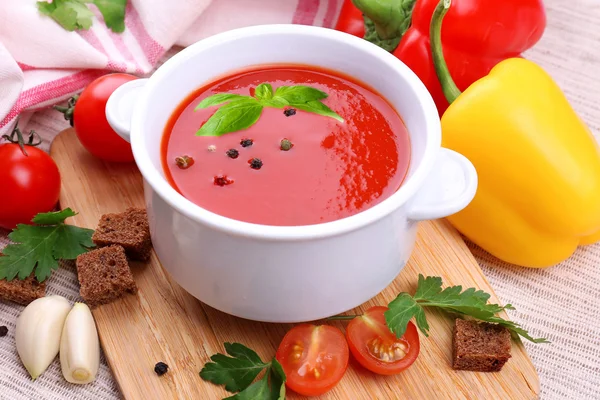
164,323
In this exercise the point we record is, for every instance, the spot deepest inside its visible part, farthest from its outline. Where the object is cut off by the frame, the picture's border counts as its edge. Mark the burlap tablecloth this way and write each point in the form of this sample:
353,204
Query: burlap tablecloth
560,303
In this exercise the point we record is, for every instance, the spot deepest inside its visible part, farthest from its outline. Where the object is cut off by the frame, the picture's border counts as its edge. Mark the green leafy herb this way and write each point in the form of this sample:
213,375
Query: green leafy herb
233,116
264,91
241,112
70,14
471,302
317,107
219,98
41,245
113,12
75,14
238,370
299,94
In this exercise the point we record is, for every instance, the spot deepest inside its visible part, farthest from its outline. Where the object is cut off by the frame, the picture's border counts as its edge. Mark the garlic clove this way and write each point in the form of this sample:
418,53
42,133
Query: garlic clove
79,346
38,332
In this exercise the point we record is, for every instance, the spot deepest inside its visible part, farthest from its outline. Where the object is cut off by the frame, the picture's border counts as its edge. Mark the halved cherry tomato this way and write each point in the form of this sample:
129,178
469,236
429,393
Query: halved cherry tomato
314,358
376,348
87,115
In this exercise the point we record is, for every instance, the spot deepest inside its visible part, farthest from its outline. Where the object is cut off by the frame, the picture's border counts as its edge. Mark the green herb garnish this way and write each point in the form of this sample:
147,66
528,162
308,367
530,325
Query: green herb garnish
40,246
75,14
239,371
241,112
471,302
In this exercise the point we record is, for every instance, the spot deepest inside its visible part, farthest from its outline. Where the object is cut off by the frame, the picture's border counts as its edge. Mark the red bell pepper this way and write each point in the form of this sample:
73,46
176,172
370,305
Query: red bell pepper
351,20
477,34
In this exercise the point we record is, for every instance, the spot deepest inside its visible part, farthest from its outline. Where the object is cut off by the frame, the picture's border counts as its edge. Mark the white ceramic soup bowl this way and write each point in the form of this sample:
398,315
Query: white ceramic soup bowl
289,273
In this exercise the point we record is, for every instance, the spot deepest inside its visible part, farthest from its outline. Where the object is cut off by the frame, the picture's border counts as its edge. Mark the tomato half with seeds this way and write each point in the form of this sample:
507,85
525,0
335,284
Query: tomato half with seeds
376,348
314,358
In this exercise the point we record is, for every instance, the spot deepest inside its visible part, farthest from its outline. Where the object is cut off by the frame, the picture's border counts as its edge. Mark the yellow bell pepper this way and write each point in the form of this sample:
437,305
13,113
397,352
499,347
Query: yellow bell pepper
538,164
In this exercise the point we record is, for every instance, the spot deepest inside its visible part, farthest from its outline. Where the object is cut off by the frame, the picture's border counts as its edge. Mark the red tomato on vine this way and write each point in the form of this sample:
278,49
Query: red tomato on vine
86,113
29,180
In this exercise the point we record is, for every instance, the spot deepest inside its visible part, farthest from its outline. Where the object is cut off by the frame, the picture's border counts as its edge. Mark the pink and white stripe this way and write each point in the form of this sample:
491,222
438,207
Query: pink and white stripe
134,51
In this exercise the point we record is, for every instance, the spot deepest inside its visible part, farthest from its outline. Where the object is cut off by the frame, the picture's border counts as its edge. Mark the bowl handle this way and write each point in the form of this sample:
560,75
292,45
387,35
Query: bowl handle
120,104
449,188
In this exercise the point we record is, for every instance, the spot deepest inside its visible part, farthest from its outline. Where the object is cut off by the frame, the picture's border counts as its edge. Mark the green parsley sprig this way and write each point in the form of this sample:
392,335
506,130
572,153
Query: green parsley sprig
241,112
75,14
471,302
41,245
238,370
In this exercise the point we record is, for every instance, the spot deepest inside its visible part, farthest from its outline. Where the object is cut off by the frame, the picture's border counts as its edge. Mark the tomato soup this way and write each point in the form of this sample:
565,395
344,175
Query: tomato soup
293,165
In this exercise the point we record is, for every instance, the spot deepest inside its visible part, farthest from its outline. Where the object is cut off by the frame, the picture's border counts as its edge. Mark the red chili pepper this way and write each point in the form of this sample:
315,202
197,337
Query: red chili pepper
351,20
477,34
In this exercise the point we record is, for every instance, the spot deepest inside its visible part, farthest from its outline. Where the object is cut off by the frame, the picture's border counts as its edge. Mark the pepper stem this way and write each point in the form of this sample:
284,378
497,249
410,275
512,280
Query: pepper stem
449,88
391,17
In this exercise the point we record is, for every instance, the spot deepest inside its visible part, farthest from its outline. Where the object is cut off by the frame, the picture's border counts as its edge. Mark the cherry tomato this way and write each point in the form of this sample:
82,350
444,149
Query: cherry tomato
29,184
91,126
376,348
314,358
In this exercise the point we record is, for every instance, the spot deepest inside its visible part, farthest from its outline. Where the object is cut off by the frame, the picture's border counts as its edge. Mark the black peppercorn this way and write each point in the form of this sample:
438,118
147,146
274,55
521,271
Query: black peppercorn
288,112
161,368
3,331
232,153
222,180
246,142
286,144
255,163
184,162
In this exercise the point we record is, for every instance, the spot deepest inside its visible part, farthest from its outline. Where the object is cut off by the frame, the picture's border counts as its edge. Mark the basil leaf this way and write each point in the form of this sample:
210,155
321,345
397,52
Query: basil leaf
219,98
275,102
316,107
264,91
299,94
234,116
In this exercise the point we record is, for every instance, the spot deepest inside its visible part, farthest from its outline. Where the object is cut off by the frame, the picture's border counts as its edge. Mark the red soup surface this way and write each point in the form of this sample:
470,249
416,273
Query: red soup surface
334,169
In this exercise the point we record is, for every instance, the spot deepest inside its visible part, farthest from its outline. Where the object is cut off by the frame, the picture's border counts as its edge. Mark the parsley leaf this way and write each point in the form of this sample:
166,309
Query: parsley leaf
75,14
241,112
40,246
113,12
70,14
238,370
429,293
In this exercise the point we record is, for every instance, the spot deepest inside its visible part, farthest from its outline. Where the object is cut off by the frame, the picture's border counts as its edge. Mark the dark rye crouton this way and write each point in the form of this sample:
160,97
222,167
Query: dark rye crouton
480,346
104,275
22,291
128,229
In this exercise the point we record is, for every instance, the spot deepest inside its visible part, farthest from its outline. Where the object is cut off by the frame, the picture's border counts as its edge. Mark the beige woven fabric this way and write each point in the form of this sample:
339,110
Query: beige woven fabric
559,303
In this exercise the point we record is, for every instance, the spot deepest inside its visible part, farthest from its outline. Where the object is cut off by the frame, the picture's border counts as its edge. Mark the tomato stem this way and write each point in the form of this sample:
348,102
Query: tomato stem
342,317
69,110
449,88
16,136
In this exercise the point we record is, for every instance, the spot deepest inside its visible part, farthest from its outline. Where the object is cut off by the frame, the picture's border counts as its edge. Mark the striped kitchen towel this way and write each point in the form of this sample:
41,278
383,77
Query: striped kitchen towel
42,64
